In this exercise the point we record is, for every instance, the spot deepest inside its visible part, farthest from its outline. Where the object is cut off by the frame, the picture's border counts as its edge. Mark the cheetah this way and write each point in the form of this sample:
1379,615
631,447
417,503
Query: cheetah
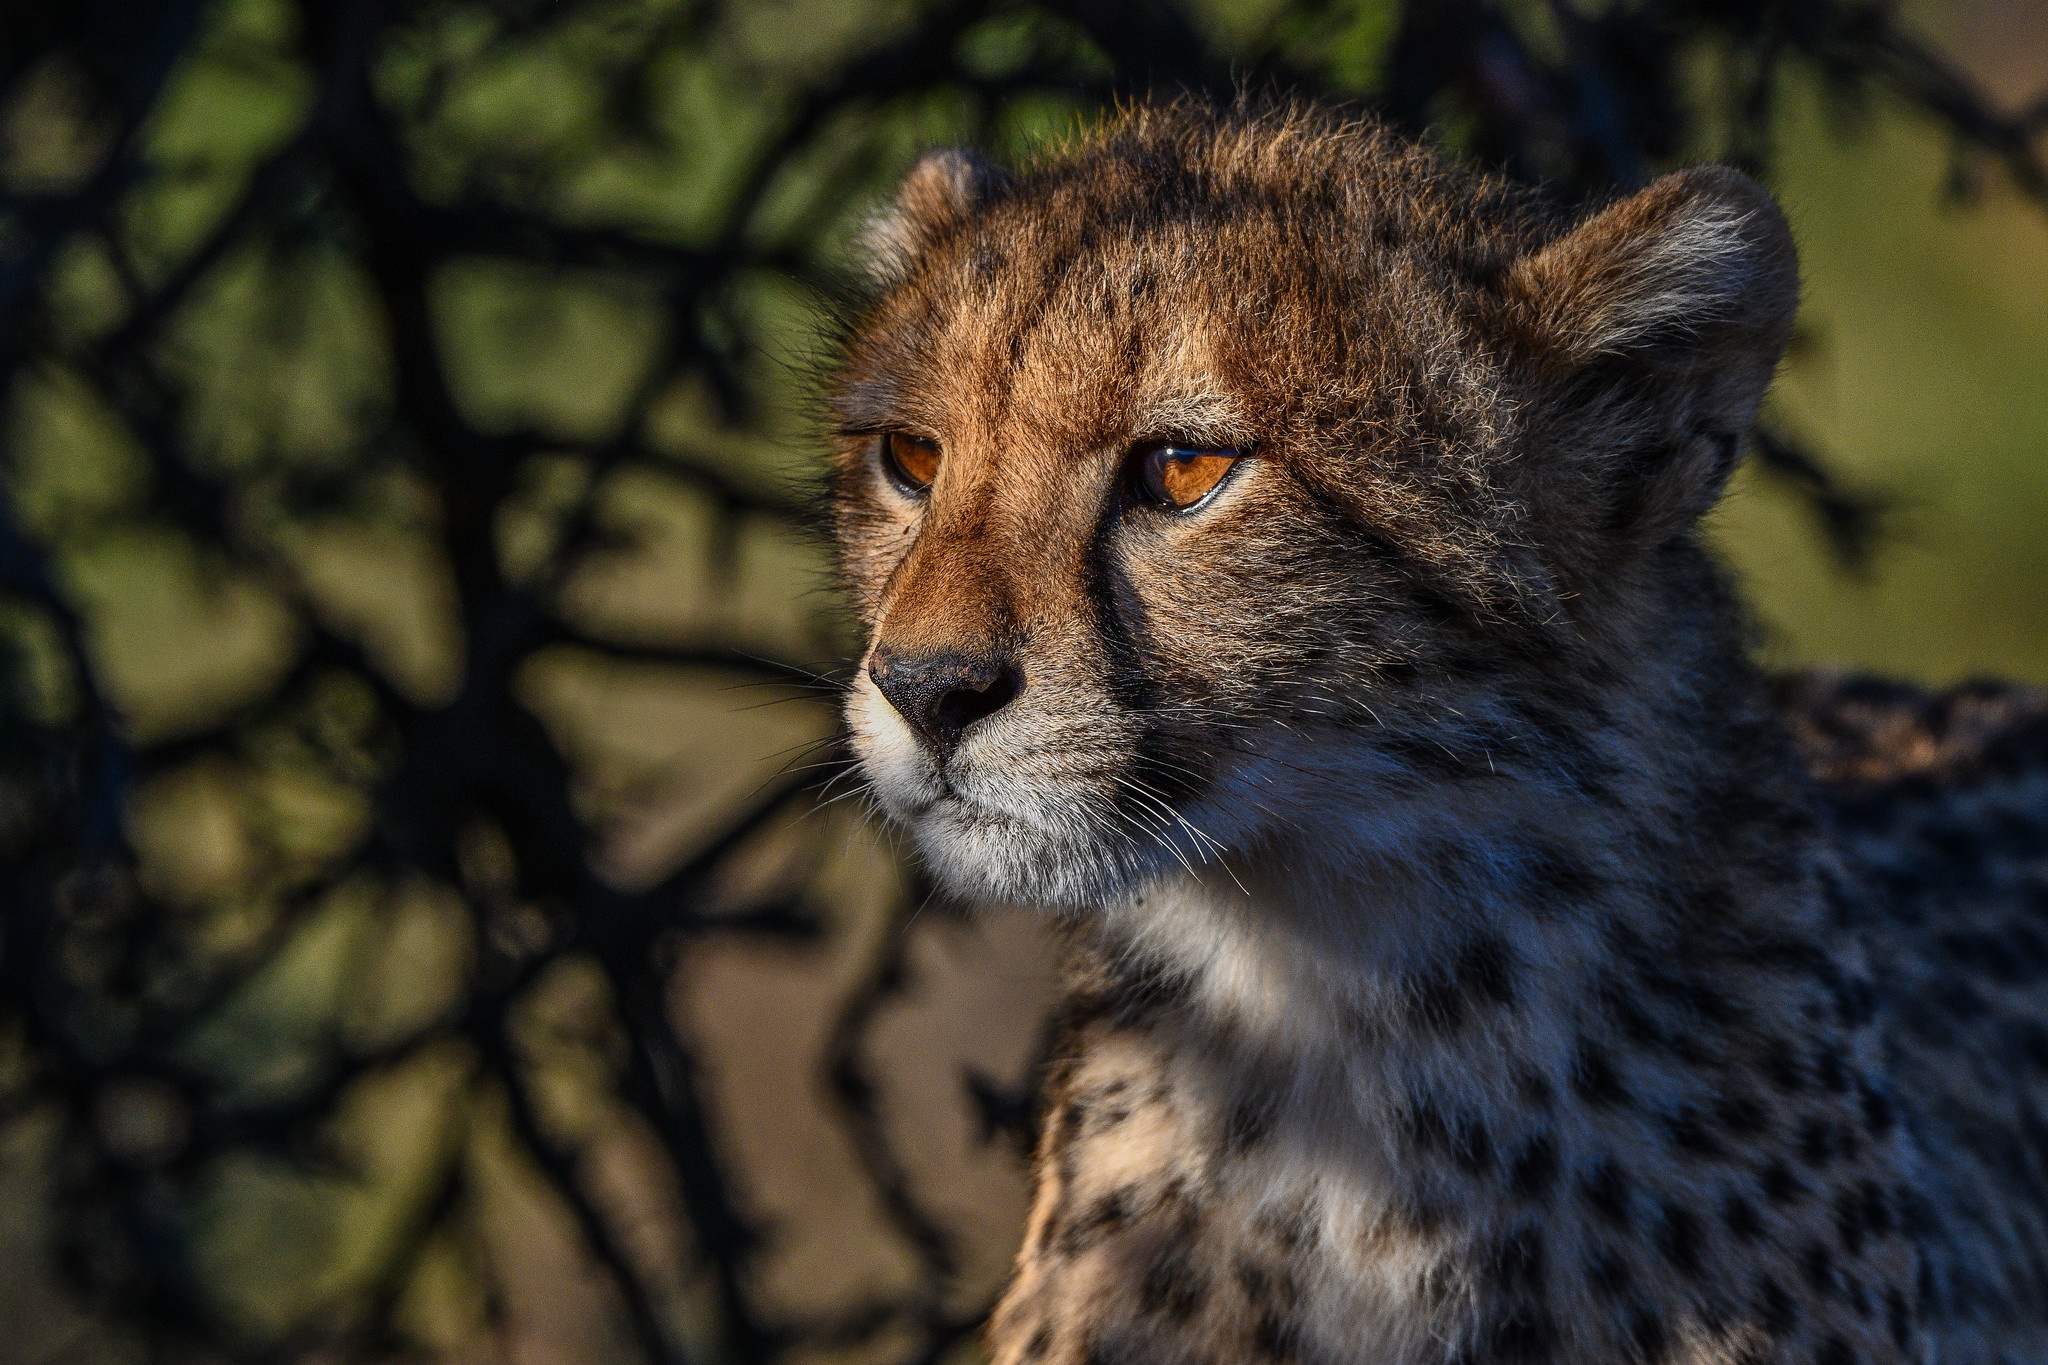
1279,551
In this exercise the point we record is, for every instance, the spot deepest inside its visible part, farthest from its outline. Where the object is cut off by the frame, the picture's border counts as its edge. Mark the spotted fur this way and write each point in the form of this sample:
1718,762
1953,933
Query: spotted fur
1474,959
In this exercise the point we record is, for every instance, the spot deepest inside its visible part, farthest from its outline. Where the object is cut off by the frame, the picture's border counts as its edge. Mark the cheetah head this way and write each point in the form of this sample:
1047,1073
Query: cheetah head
1211,481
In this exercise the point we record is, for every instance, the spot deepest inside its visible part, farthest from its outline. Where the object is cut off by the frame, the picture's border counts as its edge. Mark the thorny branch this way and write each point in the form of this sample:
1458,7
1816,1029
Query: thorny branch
1599,106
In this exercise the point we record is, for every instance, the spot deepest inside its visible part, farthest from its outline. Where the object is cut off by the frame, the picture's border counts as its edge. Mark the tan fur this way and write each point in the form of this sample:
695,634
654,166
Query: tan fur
1466,967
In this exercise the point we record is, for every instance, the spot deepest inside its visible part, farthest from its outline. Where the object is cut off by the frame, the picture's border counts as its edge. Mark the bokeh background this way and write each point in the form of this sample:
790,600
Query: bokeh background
436,921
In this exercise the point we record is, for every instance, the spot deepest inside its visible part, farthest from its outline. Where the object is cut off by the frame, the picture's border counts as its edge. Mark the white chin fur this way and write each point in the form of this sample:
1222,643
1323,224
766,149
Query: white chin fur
995,836
998,858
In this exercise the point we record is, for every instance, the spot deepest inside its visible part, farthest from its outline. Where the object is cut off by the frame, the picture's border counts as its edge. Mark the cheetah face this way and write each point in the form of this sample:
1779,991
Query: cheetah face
1194,499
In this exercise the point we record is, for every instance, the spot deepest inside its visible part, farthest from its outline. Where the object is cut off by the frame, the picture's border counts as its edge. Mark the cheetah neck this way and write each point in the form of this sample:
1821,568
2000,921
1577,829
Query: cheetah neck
1562,1055
1454,1001
1420,919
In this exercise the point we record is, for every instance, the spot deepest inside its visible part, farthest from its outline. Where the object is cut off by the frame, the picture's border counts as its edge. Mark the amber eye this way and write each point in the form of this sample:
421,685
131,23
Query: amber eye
1177,476
912,461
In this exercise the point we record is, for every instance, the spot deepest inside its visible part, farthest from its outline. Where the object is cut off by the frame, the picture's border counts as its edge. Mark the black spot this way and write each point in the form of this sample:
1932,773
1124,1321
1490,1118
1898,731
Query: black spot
1564,722
1834,1351
1928,1025
1625,940
1679,1237
1962,1001
1486,971
1040,1343
1831,1069
1740,1217
1553,876
1605,1190
1102,1118
1291,1228
1741,1114
1914,1213
2029,1040
1817,1146
1524,1335
1849,1228
1276,1337
1428,1130
1265,1288
1898,1316
1472,1146
1518,1261
1535,1088
1621,1001
1781,1067
1878,1115
1535,1168
1780,1187
1855,1001
1786,952
1649,1336
1731,803
1690,993
1249,1124
1143,986
1482,975
1818,1264
1690,1134
1453,862
1172,1285
1607,1272
1099,1353
1774,1307
1878,1219
1464,1138
1594,1079
1106,1213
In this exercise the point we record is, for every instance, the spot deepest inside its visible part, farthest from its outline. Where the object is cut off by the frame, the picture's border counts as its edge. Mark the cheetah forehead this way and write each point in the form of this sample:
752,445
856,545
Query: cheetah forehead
1174,256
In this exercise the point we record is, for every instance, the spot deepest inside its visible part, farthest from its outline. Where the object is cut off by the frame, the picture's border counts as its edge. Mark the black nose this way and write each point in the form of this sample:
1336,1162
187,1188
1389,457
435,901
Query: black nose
941,693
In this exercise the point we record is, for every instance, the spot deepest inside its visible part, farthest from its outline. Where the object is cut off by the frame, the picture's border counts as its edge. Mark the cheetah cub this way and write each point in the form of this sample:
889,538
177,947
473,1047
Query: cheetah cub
1281,556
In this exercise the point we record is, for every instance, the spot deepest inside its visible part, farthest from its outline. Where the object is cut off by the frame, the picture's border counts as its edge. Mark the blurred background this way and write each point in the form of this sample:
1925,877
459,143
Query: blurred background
436,922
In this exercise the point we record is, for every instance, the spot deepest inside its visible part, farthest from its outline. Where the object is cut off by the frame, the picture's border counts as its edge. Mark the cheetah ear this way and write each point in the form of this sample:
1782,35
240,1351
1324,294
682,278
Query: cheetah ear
1702,257
943,190
1657,324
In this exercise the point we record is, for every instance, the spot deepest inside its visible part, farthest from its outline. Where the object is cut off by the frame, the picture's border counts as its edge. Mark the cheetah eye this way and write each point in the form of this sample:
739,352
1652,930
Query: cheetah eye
912,461
1176,477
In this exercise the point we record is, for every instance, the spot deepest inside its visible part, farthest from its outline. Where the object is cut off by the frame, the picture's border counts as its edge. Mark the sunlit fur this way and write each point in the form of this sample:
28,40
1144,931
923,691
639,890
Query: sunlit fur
1466,966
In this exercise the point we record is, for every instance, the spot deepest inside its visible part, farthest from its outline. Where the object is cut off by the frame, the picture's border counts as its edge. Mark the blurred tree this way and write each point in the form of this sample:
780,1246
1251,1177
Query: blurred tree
404,402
